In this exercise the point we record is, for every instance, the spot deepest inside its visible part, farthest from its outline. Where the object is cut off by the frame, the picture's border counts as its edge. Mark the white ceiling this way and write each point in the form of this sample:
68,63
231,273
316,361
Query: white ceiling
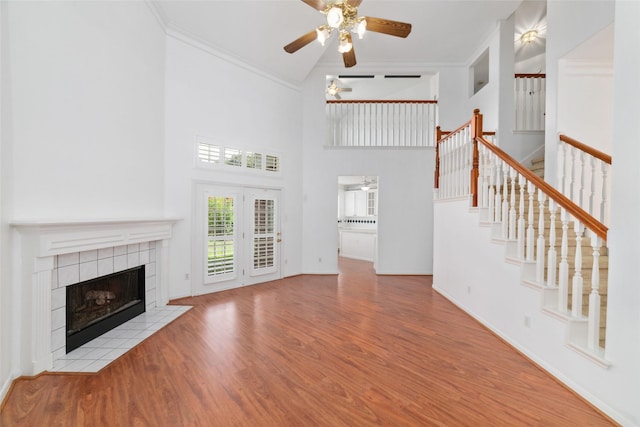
255,32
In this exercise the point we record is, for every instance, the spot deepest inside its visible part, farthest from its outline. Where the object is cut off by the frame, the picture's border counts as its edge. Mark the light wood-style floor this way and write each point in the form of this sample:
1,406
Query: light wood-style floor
347,350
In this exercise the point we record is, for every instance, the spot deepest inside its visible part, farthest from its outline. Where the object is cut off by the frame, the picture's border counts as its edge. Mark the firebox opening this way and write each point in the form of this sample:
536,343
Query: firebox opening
99,305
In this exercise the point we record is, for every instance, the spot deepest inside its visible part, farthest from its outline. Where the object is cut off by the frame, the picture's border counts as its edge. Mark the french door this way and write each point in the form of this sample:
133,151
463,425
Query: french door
239,231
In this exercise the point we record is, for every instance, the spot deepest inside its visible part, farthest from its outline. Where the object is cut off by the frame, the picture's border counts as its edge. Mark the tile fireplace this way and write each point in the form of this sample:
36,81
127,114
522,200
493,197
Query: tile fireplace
56,256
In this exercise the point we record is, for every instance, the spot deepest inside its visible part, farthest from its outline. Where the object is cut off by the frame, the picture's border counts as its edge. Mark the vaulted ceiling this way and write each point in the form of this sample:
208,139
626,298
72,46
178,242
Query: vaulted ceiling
255,32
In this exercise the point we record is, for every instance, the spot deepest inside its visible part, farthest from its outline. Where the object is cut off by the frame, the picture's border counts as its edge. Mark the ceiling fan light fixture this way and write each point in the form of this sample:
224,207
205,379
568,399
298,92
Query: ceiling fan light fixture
529,36
335,17
361,27
345,45
322,34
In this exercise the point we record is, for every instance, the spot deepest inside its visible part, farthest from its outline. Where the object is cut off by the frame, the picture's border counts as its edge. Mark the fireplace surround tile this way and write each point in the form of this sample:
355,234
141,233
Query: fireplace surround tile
68,274
86,256
88,270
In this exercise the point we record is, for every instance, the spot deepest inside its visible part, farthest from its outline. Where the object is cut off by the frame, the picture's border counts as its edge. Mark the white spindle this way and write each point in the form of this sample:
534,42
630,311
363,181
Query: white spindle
577,284
561,168
592,188
498,197
593,334
491,193
512,205
530,231
505,201
581,184
563,268
552,255
541,241
521,222
604,205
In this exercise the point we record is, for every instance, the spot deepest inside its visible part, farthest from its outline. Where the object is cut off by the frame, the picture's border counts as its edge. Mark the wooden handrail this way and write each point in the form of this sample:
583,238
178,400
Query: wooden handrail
574,210
526,75
382,101
589,150
446,134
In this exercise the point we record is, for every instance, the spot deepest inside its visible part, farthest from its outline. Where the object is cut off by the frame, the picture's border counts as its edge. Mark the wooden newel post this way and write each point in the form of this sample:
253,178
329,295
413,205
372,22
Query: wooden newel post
476,132
436,178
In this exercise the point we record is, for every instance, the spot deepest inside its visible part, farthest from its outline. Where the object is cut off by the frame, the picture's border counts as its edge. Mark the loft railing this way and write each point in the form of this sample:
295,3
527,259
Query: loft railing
549,235
583,176
530,90
387,123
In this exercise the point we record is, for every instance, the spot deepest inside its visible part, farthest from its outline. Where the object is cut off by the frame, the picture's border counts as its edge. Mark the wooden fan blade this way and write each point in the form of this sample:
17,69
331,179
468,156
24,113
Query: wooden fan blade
385,26
336,96
316,4
344,89
301,42
349,58
354,3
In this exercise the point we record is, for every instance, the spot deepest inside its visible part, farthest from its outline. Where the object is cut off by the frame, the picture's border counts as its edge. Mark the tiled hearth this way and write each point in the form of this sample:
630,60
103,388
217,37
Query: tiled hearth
98,353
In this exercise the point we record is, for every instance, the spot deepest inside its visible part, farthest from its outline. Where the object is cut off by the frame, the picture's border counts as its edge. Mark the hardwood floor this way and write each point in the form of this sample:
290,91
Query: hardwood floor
347,350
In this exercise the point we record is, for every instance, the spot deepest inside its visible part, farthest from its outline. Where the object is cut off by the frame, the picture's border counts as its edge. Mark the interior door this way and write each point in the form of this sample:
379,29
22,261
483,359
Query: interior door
239,234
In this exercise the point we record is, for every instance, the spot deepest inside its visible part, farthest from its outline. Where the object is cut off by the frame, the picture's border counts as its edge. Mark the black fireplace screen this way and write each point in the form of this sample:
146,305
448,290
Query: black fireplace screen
99,305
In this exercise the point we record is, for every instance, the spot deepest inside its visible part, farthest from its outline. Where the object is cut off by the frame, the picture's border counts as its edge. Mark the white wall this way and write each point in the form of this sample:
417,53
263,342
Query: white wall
86,82
585,96
569,24
404,195
214,97
82,124
5,290
623,320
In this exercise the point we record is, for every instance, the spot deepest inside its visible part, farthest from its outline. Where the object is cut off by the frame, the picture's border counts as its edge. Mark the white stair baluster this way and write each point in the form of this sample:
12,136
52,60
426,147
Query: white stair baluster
563,268
521,221
561,167
481,181
512,205
582,197
530,230
577,284
541,241
505,201
492,183
592,189
498,199
552,255
593,334
604,204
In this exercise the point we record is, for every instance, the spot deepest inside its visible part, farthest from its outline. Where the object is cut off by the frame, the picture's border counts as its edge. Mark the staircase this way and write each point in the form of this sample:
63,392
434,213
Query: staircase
557,245
537,167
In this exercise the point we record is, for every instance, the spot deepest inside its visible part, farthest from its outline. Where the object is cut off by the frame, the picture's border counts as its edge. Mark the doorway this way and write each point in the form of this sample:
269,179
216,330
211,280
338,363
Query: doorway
358,217
239,237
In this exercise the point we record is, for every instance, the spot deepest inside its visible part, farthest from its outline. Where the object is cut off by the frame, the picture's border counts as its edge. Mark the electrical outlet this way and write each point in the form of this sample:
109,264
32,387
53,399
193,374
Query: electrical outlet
320,259
527,321
468,289
186,276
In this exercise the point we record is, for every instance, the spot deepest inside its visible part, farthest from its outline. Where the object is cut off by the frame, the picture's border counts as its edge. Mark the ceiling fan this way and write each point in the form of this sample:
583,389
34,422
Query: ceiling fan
334,90
342,16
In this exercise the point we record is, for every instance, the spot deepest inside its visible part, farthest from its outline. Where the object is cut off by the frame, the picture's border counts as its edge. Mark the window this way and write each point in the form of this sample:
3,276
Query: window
254,160
221,236
210,155
232,157
273,163
479,72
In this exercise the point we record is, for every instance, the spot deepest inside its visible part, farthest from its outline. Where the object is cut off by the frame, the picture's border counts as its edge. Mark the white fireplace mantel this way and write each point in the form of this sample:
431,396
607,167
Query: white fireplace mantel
39,242
60,237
